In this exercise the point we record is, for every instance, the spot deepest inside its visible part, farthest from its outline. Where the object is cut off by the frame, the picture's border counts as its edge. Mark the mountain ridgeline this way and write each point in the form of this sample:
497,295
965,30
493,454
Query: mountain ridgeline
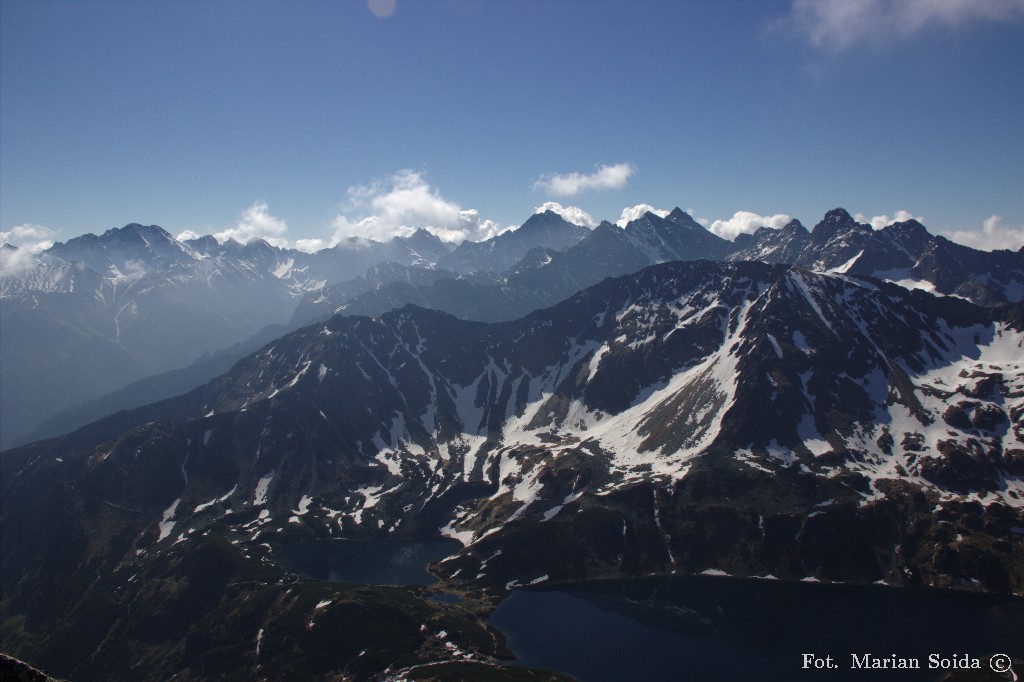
745,418
99,312
902,252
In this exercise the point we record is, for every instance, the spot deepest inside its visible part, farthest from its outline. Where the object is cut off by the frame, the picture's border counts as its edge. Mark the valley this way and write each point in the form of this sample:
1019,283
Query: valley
720,417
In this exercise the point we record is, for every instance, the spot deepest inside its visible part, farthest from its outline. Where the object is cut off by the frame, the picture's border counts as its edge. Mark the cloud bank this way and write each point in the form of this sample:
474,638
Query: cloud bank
631,213
30,240
310,245
256,222
29,237
880,221
994,234
402,203
746,222
574,214
571,184
840,25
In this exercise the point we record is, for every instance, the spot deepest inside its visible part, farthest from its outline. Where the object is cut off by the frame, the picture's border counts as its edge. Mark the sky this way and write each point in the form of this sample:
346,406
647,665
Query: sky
309,121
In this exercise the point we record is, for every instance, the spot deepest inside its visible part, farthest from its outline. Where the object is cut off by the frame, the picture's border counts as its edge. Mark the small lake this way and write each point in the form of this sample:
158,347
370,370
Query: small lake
705,628
387,561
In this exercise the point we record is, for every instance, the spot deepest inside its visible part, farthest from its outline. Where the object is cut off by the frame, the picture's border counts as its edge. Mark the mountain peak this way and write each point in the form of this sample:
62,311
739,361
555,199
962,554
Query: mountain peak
203,244
257,244
909,231
838,215
677,236
544,220
123,247
606,226
501,252
549,229
911,224
137,229
837,221
423,236
678,215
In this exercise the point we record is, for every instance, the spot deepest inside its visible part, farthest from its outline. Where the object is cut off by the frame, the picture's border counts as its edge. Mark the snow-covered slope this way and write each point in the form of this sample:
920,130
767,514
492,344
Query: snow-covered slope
694,416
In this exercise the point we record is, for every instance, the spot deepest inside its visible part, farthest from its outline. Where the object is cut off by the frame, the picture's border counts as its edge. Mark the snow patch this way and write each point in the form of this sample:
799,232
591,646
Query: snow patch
215,500
845,267
303,505
260,494
166,523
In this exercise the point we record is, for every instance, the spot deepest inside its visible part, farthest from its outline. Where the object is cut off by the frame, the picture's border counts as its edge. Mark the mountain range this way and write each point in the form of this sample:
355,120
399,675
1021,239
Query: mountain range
839,404
725,417
97,313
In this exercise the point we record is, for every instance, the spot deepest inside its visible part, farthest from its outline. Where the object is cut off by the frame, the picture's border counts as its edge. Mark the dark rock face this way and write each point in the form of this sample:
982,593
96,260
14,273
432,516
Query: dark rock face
902,251
543,262
417,421
675,237
140,302
772,246
13,669
739,417
500,253
132,290
526,279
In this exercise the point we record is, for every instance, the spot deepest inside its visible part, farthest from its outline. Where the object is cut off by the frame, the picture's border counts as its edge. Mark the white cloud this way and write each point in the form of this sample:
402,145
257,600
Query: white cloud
382,9
631,213
256,222
839,25
571,184
403,203
474,228
186,235
880,221
29,237
993,235
15,261
574,214
310,245
29,240
746,222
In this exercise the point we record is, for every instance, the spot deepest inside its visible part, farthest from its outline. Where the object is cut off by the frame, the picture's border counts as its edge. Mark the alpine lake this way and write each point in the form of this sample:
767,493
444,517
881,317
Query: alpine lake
711,627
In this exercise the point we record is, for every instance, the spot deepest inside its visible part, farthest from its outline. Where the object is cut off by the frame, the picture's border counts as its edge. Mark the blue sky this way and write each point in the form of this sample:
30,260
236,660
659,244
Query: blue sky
310,120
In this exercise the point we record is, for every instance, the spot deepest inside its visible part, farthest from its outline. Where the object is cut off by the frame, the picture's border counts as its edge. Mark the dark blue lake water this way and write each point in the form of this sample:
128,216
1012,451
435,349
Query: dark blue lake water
716,628
381,562
707,628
